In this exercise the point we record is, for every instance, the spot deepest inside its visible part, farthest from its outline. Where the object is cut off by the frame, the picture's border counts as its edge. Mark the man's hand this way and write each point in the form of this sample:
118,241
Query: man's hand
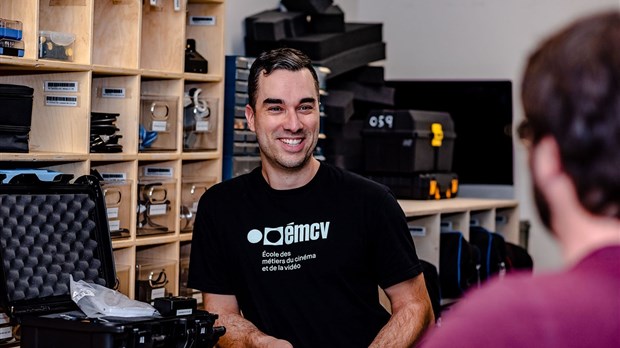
240,332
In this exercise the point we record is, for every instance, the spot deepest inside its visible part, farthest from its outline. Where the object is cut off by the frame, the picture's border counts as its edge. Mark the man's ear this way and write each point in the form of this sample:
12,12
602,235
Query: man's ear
546,163
249,116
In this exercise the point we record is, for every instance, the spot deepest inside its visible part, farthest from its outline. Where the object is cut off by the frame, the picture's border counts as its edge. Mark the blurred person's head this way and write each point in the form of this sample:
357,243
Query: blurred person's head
571,93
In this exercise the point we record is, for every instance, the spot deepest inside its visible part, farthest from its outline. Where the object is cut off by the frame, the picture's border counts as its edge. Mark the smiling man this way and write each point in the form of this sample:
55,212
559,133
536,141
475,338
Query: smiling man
292,254
288,127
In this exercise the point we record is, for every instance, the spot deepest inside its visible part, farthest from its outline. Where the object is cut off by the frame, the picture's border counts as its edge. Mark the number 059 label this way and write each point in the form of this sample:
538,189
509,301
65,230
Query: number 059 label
381,121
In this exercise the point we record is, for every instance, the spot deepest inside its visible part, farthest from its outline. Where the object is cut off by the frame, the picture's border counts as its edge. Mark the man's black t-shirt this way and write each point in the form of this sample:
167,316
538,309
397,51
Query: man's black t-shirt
304,263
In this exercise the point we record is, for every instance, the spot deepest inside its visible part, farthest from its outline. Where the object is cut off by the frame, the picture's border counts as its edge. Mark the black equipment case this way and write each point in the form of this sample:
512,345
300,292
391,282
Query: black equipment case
51,230
15,117
421,185
410,151
407,141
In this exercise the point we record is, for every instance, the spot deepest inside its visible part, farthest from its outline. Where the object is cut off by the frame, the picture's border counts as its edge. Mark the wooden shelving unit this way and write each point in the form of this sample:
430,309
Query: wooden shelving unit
138,48
425,218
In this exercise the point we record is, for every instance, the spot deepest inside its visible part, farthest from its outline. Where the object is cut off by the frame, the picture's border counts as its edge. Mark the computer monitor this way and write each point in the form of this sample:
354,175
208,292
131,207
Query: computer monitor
482,116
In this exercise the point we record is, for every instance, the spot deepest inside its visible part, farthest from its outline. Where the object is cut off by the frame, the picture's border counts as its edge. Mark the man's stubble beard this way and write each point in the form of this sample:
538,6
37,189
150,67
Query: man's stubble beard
542,205
273,157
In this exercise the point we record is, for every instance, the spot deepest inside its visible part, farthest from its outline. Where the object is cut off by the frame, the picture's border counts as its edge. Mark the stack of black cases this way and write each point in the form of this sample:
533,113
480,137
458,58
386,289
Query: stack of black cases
51,230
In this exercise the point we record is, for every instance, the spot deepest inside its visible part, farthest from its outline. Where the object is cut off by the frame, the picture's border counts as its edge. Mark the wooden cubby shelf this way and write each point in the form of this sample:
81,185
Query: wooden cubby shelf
425,218
136,50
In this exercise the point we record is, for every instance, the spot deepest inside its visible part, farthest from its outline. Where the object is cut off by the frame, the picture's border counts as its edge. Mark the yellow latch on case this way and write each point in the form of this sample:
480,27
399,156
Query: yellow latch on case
437,134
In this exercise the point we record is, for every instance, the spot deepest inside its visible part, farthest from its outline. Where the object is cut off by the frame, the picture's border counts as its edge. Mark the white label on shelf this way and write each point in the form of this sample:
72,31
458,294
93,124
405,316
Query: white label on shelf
417,231
177,5
159,126
158,209
158,171
6,332
114,176
186,311
60,86
159,292
153,2
194,207
201,20
112,213
113,92
202,126
115,225
61,100
446,226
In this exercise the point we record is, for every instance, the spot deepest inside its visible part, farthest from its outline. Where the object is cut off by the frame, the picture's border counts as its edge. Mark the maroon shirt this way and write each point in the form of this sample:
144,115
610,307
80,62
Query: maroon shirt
576,308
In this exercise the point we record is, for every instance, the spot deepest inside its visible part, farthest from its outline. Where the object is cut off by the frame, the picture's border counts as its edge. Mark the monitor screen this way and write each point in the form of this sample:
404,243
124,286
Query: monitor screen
482,116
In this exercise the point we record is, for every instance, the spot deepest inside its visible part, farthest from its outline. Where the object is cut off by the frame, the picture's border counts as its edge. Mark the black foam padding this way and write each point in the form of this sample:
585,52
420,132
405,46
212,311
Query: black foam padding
321,46
343,145
269,29
353,58
368,75
370,93
254,48
275,25
44,239
330,21
338,105
310,6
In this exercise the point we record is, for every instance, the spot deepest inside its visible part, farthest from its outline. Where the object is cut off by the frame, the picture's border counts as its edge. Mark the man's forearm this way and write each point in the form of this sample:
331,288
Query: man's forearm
405,327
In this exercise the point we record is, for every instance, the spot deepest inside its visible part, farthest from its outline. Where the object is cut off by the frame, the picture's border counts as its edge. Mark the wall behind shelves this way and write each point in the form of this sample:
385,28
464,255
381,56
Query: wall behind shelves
457,39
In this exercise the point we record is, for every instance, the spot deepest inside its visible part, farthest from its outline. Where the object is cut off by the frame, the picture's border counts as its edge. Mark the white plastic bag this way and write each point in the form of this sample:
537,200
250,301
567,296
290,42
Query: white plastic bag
98,301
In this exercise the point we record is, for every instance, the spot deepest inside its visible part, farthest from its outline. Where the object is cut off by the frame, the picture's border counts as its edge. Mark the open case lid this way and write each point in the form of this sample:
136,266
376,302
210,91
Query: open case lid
50,230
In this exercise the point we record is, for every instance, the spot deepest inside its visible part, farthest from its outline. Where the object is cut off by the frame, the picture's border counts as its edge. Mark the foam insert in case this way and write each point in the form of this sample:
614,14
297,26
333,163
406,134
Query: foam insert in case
52,230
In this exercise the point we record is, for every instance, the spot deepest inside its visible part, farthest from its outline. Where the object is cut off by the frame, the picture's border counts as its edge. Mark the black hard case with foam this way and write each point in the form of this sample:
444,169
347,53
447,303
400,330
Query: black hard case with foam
51,230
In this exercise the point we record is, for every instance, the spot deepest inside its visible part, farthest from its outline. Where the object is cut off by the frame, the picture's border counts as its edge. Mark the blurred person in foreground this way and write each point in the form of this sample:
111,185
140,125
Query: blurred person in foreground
293,253
571,99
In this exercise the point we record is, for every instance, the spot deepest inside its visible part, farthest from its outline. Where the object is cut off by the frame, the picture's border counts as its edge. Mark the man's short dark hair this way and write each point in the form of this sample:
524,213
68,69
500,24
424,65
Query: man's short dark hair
281,58
571,91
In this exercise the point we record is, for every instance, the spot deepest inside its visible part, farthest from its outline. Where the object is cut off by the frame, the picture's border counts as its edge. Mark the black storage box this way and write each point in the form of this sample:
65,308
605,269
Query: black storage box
50,231
310,6
398,142
15,117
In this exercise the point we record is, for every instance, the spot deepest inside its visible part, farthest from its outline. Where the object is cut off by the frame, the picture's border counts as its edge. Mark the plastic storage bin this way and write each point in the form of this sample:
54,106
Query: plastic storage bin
154,278
158,123
11,29
56,45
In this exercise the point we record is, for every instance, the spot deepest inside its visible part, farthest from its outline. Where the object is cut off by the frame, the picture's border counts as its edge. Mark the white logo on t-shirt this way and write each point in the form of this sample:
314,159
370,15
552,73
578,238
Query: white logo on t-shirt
289,234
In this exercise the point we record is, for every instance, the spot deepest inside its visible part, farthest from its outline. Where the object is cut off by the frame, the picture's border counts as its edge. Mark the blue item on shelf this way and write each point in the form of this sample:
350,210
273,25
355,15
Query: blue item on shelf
42,174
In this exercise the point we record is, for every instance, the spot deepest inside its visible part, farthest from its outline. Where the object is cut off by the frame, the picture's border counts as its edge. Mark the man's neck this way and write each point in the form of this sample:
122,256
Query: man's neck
588,236
286,179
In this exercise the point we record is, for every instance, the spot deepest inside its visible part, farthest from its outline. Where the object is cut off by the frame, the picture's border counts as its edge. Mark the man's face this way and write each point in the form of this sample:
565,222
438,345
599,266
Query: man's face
286,118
